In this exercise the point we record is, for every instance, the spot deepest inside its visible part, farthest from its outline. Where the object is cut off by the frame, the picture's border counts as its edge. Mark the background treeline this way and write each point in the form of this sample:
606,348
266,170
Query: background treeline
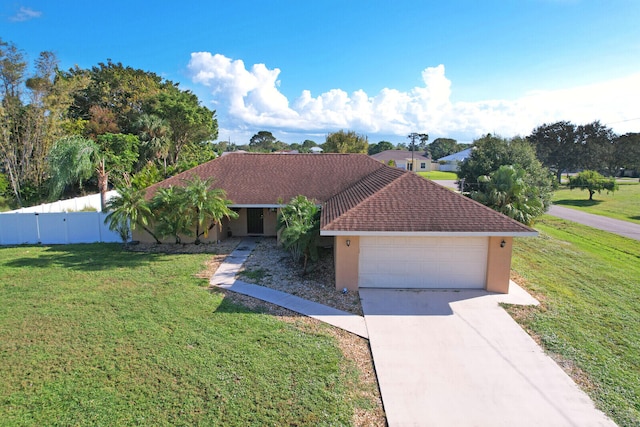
73,123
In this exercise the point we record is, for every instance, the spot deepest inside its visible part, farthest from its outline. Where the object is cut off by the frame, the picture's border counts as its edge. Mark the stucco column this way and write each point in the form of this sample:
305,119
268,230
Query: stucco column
346,253
499,264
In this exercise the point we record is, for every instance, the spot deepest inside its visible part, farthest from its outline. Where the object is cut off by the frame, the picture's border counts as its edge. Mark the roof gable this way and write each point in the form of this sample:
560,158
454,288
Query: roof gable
407,203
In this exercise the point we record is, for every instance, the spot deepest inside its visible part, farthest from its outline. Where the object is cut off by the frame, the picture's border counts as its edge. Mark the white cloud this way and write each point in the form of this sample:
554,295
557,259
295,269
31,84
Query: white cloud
25,14
255,101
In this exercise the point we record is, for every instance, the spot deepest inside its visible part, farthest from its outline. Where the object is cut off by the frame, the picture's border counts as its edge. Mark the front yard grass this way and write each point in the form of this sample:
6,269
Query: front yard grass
94,335
439,175
623,204
589,284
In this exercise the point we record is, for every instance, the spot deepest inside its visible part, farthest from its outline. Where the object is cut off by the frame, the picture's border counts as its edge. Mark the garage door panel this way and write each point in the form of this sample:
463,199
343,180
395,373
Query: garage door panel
423,262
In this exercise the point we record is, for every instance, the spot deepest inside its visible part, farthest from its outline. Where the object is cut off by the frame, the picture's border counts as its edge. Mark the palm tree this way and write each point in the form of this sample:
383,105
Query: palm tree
129,209
506,191
168,206
203,205
154,134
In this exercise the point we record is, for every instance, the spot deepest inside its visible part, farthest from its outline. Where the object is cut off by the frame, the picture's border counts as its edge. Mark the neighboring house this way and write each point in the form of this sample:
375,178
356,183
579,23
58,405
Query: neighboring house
419,162
451,163
315,150
389,228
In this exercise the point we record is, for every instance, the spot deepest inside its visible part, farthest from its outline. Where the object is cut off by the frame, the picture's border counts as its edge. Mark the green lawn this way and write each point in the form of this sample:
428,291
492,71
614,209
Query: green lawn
438,175
93,335
589,281
623,204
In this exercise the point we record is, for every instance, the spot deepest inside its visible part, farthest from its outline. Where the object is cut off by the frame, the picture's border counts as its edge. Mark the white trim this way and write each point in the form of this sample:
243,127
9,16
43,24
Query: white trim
430,233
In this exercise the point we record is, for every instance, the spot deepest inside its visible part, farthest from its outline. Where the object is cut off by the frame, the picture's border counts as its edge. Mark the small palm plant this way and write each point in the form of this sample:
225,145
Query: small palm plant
299,228
205,207
129,209
168,206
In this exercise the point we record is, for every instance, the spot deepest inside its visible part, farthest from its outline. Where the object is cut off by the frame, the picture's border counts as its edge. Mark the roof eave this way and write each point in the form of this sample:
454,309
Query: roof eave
430,233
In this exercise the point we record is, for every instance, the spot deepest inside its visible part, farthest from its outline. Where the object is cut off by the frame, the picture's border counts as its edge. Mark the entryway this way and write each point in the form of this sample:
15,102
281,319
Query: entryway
255,221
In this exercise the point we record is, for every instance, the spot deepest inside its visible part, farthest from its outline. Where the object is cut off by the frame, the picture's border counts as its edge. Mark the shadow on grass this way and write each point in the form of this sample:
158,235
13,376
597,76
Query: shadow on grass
86,257
578,203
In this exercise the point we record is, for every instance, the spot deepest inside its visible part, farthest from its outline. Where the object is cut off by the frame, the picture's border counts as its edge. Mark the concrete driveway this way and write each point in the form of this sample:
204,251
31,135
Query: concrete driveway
455,358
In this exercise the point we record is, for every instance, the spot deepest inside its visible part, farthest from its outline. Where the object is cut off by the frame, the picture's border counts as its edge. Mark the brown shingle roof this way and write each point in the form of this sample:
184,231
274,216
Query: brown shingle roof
263,179
358,193
392,200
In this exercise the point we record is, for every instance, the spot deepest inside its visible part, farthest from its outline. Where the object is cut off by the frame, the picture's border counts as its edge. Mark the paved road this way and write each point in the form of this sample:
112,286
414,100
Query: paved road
623,228
456,358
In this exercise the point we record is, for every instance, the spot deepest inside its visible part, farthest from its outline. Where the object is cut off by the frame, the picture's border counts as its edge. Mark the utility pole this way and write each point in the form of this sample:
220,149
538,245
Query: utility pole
423,137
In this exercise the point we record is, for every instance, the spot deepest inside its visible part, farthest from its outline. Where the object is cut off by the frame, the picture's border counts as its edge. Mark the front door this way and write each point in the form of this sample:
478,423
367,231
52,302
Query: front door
255,221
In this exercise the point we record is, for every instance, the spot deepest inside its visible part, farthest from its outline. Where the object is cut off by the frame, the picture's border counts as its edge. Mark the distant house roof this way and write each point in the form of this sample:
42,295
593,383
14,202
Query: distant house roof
315,150
358,194
397,155
460,156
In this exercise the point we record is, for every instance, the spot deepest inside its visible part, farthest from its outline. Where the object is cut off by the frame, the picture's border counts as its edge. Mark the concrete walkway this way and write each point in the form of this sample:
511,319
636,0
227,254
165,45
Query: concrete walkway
224,277
456,358
622,228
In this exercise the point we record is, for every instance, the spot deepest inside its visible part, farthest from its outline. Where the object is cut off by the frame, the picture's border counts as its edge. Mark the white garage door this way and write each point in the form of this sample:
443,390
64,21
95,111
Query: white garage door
423,262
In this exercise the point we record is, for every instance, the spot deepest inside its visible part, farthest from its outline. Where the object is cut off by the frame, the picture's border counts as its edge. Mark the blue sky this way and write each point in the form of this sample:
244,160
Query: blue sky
299,69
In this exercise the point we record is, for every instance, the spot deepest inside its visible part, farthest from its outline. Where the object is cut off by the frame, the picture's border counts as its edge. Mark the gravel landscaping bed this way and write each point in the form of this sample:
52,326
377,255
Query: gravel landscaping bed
271,266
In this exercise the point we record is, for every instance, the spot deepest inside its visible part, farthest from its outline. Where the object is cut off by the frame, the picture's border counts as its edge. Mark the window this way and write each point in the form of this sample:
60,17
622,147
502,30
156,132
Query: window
409,166
423,165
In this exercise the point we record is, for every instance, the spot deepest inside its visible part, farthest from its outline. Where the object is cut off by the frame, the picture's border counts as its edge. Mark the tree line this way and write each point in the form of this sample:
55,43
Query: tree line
566,147
60,128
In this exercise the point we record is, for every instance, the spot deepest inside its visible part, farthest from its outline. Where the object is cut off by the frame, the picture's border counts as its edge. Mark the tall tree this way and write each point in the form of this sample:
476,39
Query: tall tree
595,147
119,152
72,161
154,137
12,75
265,141
441,147
556,146
627,151
418,141
380,147
491,152
345,142
192,126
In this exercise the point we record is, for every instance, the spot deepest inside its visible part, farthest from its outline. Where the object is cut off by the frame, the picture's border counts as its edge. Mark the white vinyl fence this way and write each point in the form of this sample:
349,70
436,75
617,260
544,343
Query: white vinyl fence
55,228
51,224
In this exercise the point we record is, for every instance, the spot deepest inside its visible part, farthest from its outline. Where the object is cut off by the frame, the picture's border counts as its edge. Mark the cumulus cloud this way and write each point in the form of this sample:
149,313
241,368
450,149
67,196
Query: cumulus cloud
25,14
254,99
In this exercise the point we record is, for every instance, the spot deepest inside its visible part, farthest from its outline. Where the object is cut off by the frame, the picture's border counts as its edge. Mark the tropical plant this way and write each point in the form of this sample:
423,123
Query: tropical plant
345,142
593,182
129,209
72,160
507,192
490,152
299,228
168,206
204,206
